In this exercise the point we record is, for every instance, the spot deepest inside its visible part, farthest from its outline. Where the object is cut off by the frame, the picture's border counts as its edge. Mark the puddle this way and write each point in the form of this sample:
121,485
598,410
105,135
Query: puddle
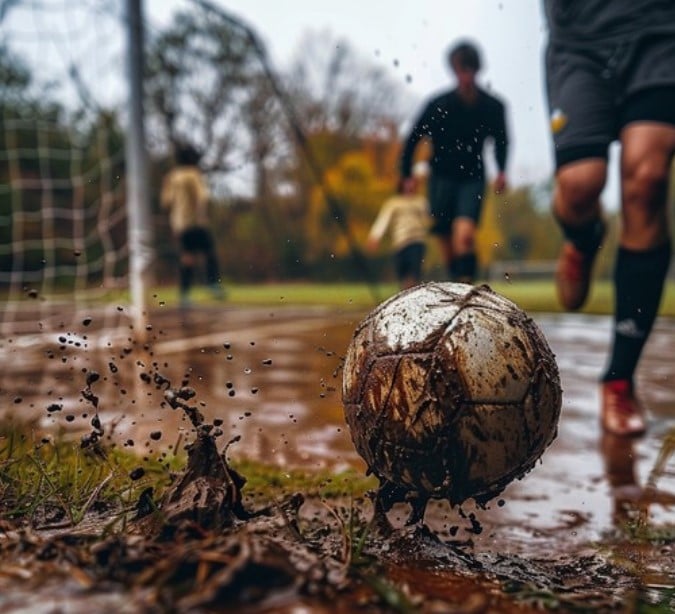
272,376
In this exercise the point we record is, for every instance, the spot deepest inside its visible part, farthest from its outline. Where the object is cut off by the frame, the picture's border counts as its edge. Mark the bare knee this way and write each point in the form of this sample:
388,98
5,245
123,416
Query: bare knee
578,189
646,154
644,212
463,236
645,181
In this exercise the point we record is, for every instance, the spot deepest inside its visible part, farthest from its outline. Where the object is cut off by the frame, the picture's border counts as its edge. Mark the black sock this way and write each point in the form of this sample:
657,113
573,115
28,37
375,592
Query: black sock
638,285
185,279
586,238
463,268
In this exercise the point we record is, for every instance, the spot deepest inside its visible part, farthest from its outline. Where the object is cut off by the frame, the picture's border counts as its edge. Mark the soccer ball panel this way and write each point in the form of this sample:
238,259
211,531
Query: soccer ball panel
450,391
410,323
492,355
357,364
406,408
491,450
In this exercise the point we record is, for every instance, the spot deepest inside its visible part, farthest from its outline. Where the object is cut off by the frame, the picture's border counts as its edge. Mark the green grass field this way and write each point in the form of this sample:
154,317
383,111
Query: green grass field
532,296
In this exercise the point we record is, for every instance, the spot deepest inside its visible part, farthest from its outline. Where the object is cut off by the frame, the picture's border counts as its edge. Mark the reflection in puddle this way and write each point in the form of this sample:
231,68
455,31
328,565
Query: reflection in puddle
274,379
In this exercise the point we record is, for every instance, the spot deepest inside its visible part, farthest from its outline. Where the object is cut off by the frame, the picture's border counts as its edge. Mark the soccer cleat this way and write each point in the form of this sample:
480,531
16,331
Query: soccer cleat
622,413
573,276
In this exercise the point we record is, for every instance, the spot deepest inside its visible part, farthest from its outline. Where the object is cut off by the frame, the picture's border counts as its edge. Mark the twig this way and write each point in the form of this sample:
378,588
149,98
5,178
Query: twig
92,497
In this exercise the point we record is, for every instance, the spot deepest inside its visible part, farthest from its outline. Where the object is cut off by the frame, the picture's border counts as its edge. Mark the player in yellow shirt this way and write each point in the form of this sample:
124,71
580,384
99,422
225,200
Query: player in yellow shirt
186,196
405,217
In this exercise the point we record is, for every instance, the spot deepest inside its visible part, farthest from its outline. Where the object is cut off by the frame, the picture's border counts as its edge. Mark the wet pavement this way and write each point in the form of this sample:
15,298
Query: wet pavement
272,375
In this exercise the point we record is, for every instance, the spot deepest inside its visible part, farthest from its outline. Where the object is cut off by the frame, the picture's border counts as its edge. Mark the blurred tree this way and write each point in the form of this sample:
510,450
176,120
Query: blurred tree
15,78
200,79
490,233
347,111
360,193
206,85
341,99
528,232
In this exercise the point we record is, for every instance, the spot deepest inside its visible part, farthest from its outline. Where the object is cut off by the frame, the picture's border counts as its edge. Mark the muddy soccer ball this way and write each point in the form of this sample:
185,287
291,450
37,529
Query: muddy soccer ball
450,391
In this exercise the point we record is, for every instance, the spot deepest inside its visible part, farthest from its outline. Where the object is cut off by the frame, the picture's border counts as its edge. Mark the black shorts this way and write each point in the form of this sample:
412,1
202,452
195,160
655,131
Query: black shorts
594,92
196,239
408,261
451,198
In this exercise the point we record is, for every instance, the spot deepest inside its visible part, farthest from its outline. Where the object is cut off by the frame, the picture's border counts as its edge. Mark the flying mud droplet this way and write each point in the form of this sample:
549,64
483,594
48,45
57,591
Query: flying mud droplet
267,361
86,322
156,435
137,473
54,407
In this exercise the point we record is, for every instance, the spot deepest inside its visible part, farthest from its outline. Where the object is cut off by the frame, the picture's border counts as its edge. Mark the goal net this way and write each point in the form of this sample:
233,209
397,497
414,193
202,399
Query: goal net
63,221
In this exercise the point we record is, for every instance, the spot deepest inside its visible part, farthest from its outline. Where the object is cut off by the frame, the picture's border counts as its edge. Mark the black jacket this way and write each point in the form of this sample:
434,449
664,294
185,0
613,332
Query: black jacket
458,132
592,23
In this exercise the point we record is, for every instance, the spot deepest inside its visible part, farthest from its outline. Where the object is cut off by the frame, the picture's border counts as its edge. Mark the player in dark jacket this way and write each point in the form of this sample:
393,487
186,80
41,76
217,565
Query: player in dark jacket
610,71
458,122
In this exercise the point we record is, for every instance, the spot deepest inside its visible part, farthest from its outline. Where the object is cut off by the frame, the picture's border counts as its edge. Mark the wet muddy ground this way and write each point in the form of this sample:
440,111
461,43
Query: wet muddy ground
592,522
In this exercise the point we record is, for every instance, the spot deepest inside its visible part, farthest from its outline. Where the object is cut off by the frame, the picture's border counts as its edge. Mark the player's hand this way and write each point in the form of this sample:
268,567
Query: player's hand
499,184
371,245
409,185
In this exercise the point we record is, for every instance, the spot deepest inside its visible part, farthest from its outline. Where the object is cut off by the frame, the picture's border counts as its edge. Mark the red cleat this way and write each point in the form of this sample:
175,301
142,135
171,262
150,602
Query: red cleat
622,414
573,276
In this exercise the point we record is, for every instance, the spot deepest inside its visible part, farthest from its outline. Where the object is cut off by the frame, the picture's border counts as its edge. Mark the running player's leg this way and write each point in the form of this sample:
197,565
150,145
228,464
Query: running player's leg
468,209
583,125
647,133
641,264
442,195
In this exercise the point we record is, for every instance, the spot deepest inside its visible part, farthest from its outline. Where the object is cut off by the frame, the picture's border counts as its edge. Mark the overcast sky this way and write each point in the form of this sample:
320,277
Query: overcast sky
410,39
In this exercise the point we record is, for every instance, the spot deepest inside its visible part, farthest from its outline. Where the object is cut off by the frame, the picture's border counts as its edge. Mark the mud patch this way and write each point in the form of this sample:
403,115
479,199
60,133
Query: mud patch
589,529
297,551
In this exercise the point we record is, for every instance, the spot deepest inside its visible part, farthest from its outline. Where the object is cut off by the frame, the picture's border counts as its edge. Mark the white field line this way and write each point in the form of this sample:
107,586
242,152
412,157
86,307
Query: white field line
105,338
243,334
